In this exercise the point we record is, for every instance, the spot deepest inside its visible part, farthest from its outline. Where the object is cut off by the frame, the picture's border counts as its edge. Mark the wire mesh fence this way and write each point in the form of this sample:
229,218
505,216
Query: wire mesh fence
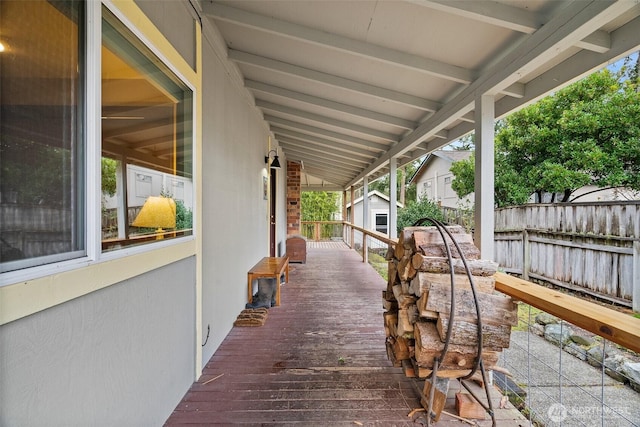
563,376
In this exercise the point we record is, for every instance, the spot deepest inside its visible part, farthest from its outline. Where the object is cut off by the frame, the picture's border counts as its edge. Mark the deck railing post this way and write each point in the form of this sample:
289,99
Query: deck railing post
365,248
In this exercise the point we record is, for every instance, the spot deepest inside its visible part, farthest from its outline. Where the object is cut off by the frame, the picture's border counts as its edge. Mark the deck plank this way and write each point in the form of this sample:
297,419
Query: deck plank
320,358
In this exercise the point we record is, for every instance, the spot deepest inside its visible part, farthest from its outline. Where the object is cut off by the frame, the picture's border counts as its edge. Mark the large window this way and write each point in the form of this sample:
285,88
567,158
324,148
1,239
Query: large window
41,137
146,143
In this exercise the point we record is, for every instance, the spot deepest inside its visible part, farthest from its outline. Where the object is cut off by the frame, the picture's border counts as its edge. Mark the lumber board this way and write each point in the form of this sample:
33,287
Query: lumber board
615,326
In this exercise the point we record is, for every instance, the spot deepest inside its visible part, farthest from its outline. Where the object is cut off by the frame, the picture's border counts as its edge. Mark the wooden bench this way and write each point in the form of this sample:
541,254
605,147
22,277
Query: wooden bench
269,267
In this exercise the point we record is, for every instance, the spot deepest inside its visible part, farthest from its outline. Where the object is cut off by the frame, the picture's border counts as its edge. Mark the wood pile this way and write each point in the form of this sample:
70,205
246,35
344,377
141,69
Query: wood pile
417,306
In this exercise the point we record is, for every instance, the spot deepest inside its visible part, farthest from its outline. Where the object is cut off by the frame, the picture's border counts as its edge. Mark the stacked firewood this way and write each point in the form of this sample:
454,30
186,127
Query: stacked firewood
418,303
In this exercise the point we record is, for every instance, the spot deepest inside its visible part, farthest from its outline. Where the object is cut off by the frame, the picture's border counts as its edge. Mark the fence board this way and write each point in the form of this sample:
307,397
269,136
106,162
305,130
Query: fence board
588,246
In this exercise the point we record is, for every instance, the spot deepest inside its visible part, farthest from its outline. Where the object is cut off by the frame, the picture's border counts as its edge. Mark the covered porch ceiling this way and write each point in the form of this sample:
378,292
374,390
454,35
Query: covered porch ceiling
346,85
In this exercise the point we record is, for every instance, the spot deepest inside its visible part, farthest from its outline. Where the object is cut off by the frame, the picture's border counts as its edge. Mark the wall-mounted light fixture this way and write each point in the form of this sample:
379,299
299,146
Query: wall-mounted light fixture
275,164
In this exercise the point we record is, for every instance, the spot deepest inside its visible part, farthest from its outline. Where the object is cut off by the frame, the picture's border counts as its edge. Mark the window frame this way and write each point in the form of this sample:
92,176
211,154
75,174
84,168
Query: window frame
27,291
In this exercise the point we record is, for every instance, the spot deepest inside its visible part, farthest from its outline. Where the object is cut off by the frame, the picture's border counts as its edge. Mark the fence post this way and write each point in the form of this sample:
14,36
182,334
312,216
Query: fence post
316,231
526,254
635,277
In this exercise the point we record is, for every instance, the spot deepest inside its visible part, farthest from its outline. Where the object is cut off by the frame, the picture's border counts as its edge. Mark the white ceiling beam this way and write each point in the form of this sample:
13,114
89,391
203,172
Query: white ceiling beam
568,26
625,40
513,18
327,155
270,106
347,150
301,145
340,137
321,187
335,81
331,105
333,41
331,168
489,12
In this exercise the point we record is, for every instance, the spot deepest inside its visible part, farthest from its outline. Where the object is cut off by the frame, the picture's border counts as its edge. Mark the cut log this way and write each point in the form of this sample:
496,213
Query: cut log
406,271
430,264
425,236
390,323
465,331
441,386
469,250
424,281
407,368
495,309
399,251
405,327
428,346
392,274
421,304
401,349
389,344
467,407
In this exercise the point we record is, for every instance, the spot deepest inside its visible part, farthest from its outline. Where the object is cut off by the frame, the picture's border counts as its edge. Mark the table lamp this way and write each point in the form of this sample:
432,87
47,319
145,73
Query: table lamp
157,212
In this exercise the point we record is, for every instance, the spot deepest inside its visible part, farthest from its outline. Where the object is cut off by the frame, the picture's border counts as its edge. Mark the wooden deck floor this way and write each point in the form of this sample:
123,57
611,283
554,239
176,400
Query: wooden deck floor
320,358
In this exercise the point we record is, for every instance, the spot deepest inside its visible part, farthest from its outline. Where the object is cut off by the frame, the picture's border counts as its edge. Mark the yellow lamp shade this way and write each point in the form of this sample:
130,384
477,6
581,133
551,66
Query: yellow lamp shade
157,212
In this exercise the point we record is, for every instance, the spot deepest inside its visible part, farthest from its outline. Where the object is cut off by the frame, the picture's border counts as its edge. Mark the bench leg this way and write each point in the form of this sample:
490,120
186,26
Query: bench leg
250,288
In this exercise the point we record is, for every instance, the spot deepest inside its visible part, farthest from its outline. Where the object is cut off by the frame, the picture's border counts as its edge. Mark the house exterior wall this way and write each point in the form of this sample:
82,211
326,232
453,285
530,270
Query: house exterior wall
435,184
235,213
123,355
118,341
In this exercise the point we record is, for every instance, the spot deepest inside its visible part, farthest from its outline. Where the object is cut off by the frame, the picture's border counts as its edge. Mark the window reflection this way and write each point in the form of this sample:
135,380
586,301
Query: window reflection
146,138
41,142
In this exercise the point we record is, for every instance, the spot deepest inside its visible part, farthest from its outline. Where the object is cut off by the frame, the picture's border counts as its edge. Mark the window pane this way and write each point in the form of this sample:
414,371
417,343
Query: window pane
381,223
146,143
41,116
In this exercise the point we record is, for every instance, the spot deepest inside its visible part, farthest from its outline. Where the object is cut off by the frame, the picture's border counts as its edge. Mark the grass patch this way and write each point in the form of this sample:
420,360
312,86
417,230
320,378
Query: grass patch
523,317
379,264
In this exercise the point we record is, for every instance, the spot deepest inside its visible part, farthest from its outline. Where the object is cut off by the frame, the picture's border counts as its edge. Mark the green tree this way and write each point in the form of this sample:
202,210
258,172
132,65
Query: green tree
319,205
108,176
403,173
585,134
414,211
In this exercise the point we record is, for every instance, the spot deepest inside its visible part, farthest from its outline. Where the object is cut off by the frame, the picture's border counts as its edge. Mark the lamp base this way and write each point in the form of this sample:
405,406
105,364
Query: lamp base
159,234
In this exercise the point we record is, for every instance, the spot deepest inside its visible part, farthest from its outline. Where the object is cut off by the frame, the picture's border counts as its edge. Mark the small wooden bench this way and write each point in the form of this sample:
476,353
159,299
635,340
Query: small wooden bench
269,267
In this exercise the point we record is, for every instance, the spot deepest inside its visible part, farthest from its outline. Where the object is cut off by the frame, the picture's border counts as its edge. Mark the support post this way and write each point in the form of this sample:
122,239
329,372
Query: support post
484,176
344,215
392,220
352,239
365,216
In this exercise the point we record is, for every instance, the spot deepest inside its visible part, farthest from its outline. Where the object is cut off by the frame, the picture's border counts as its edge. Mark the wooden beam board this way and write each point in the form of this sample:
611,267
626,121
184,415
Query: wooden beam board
615,326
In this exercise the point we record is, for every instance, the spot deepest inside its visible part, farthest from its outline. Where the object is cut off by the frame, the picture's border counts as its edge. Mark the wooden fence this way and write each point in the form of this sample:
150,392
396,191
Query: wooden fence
590,247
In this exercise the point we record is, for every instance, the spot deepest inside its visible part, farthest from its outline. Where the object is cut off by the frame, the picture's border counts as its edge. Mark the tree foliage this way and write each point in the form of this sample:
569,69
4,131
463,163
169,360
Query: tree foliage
382,184
108,176
585,134
414,211
319,205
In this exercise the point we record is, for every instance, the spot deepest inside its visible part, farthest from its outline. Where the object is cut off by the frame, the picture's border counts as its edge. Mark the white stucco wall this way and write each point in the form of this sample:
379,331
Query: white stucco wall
435,184
126,353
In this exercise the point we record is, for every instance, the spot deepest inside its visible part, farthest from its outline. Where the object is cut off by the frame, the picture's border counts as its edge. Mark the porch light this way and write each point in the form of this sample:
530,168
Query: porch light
157,212
275,164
